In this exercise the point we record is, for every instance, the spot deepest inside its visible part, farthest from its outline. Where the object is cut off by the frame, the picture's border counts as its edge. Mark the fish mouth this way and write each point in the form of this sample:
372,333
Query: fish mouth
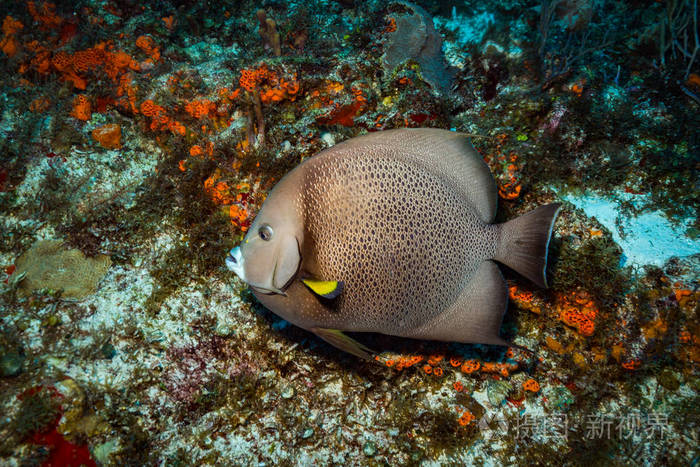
234,262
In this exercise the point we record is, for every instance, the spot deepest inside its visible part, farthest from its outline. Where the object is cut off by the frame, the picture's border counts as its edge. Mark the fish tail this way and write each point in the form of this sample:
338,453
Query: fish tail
524,242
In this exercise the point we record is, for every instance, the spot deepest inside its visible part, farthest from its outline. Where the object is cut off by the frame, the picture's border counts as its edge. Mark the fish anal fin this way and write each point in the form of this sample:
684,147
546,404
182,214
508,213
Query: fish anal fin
325,289
341,341
475,317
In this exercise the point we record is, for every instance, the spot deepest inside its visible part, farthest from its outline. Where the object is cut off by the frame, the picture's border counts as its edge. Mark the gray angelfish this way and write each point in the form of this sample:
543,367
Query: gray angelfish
391,232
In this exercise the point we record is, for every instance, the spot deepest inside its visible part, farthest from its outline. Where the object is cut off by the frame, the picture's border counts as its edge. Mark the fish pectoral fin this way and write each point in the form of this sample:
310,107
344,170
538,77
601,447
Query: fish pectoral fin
339,340
325,289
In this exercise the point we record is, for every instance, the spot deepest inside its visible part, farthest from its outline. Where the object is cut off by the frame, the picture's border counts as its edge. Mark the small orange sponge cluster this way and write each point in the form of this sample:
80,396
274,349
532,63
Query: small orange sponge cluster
82,109
201,108
149,47
531,385
73,67
235,202
466,418
502,369
578,311
510,189
160,119
470,366
271,87
524,299
399,363
251,79
45,14
9,44
109,136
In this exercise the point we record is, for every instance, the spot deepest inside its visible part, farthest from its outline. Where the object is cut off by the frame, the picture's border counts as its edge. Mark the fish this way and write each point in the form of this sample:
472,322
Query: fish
391,232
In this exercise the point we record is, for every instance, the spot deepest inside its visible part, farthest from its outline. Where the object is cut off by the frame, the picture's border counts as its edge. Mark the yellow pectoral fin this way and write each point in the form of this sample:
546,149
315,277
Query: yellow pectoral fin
325,289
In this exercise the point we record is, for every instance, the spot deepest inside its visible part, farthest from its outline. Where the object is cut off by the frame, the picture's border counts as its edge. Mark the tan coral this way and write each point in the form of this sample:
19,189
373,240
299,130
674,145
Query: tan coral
48,265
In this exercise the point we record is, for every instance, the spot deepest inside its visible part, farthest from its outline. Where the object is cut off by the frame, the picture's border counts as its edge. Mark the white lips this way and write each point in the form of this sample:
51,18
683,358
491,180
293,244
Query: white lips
234,262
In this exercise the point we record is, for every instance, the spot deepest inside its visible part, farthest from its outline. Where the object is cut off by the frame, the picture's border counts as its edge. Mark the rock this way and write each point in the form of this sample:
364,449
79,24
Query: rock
224,329
328,139
370,449
11,364
288,392
108,351
77,422
48,266
102,452
51,320
668,380
497,390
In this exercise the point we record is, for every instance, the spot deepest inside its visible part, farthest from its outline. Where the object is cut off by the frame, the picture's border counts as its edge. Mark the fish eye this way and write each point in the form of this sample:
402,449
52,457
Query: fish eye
265,232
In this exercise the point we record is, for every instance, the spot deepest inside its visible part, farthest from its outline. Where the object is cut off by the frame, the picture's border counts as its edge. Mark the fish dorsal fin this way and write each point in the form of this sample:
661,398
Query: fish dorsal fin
339,340
325,289
447,154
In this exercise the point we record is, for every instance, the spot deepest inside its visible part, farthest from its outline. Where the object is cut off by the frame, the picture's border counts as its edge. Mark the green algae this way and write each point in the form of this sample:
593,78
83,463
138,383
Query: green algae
594,266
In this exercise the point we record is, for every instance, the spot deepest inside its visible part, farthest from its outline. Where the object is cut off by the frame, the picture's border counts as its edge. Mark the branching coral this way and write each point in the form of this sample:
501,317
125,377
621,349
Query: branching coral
678,33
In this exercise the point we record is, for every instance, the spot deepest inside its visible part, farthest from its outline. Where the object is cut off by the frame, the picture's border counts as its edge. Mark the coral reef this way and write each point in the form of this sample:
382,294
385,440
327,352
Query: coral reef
142,138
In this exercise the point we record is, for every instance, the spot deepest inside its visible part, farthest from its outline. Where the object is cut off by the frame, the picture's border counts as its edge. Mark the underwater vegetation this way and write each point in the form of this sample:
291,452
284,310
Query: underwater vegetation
139,139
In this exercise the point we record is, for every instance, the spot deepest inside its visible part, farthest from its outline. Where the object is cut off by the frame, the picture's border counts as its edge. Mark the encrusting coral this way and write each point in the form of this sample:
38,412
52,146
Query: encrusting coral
48,265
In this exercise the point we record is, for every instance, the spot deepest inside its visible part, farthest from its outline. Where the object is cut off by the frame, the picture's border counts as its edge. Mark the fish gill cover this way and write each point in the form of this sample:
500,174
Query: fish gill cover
149,133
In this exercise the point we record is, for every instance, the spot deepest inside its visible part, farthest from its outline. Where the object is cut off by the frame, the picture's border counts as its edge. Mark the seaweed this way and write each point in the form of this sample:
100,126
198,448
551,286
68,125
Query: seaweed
39,409
594,266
